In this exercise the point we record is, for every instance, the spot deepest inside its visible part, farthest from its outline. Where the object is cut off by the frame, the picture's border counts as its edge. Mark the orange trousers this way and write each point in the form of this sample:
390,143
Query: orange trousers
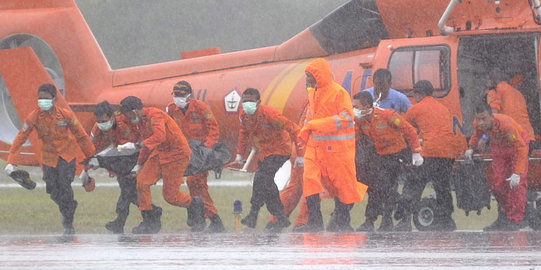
173,176
197,184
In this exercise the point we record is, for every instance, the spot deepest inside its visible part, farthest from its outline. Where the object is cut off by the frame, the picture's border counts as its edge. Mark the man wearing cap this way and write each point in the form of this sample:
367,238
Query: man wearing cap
165,154
197,121
108,131
61,135
440,148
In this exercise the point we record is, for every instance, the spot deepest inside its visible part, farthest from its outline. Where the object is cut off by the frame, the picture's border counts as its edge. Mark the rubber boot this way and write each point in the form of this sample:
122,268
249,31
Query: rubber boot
340,219
196,214
116,226
282,221
404,225
498,223
315,219
216,225
67,218
145,227
156,215
367,226
386,224
251,219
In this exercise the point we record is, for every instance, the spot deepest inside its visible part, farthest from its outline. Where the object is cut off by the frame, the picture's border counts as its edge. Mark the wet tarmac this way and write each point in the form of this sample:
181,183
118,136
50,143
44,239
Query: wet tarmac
247,250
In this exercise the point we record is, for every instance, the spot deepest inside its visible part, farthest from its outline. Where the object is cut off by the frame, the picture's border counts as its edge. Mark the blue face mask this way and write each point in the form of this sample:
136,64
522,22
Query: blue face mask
45,103
105,126
249,107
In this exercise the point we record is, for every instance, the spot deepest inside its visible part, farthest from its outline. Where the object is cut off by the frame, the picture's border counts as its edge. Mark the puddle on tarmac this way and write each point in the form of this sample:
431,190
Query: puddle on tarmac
456,250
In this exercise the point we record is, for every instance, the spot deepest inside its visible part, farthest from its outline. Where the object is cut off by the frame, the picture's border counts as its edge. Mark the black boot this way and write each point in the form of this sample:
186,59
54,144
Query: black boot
315,219
386,224
340,219
67,218
216,225
367,226
282,221
116,226
498,223
145,227
404,225
156,215
196,214
251,219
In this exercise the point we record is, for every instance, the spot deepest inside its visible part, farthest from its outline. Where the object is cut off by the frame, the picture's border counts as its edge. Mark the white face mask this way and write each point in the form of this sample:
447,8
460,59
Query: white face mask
181,102
105,125
362,113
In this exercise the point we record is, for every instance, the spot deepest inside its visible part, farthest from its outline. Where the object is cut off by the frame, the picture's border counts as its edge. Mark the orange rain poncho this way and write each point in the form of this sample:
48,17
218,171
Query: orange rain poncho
329,134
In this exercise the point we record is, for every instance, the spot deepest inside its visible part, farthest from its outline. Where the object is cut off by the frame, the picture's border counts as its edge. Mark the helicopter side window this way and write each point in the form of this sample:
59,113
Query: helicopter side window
411,64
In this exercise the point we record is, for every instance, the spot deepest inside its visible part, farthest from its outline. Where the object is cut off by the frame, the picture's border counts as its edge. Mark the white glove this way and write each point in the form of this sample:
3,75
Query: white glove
9,169
84,176
417,159
468,154
238,159
299,162
136,169
514,180
93,163
126,146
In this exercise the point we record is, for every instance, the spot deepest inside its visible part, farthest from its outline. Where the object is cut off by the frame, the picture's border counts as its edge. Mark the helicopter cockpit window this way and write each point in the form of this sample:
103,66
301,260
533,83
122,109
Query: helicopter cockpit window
411,64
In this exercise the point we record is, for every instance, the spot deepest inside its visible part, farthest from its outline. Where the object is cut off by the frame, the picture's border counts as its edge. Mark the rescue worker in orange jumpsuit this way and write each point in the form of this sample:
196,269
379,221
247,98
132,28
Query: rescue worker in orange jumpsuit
505,99
271,134
509,148
440,149
110,130
61,135
165,154
389,132
197,121
329,159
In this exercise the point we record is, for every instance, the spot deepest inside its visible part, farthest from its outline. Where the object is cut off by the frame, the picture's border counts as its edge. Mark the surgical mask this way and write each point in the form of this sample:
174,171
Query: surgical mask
357,113
249,107
45,103
181,102
105,125
136,120
362,113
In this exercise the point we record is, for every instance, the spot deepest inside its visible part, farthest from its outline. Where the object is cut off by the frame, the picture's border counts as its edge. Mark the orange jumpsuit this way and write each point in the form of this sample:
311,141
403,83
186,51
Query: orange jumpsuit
198,123
329,134
435,129
166,155
509,148
269,131
387,129
52,128
509,101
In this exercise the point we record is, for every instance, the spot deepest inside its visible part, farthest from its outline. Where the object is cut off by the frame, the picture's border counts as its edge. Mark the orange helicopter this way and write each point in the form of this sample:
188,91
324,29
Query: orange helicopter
451,43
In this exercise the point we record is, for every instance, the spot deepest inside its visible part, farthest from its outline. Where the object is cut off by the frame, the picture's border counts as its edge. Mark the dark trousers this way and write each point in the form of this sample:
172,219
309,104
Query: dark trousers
264,190
58,185
381,178
437,171
128,195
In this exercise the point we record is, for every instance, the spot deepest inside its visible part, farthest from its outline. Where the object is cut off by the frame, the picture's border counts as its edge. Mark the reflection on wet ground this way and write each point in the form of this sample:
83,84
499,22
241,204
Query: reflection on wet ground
456,250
